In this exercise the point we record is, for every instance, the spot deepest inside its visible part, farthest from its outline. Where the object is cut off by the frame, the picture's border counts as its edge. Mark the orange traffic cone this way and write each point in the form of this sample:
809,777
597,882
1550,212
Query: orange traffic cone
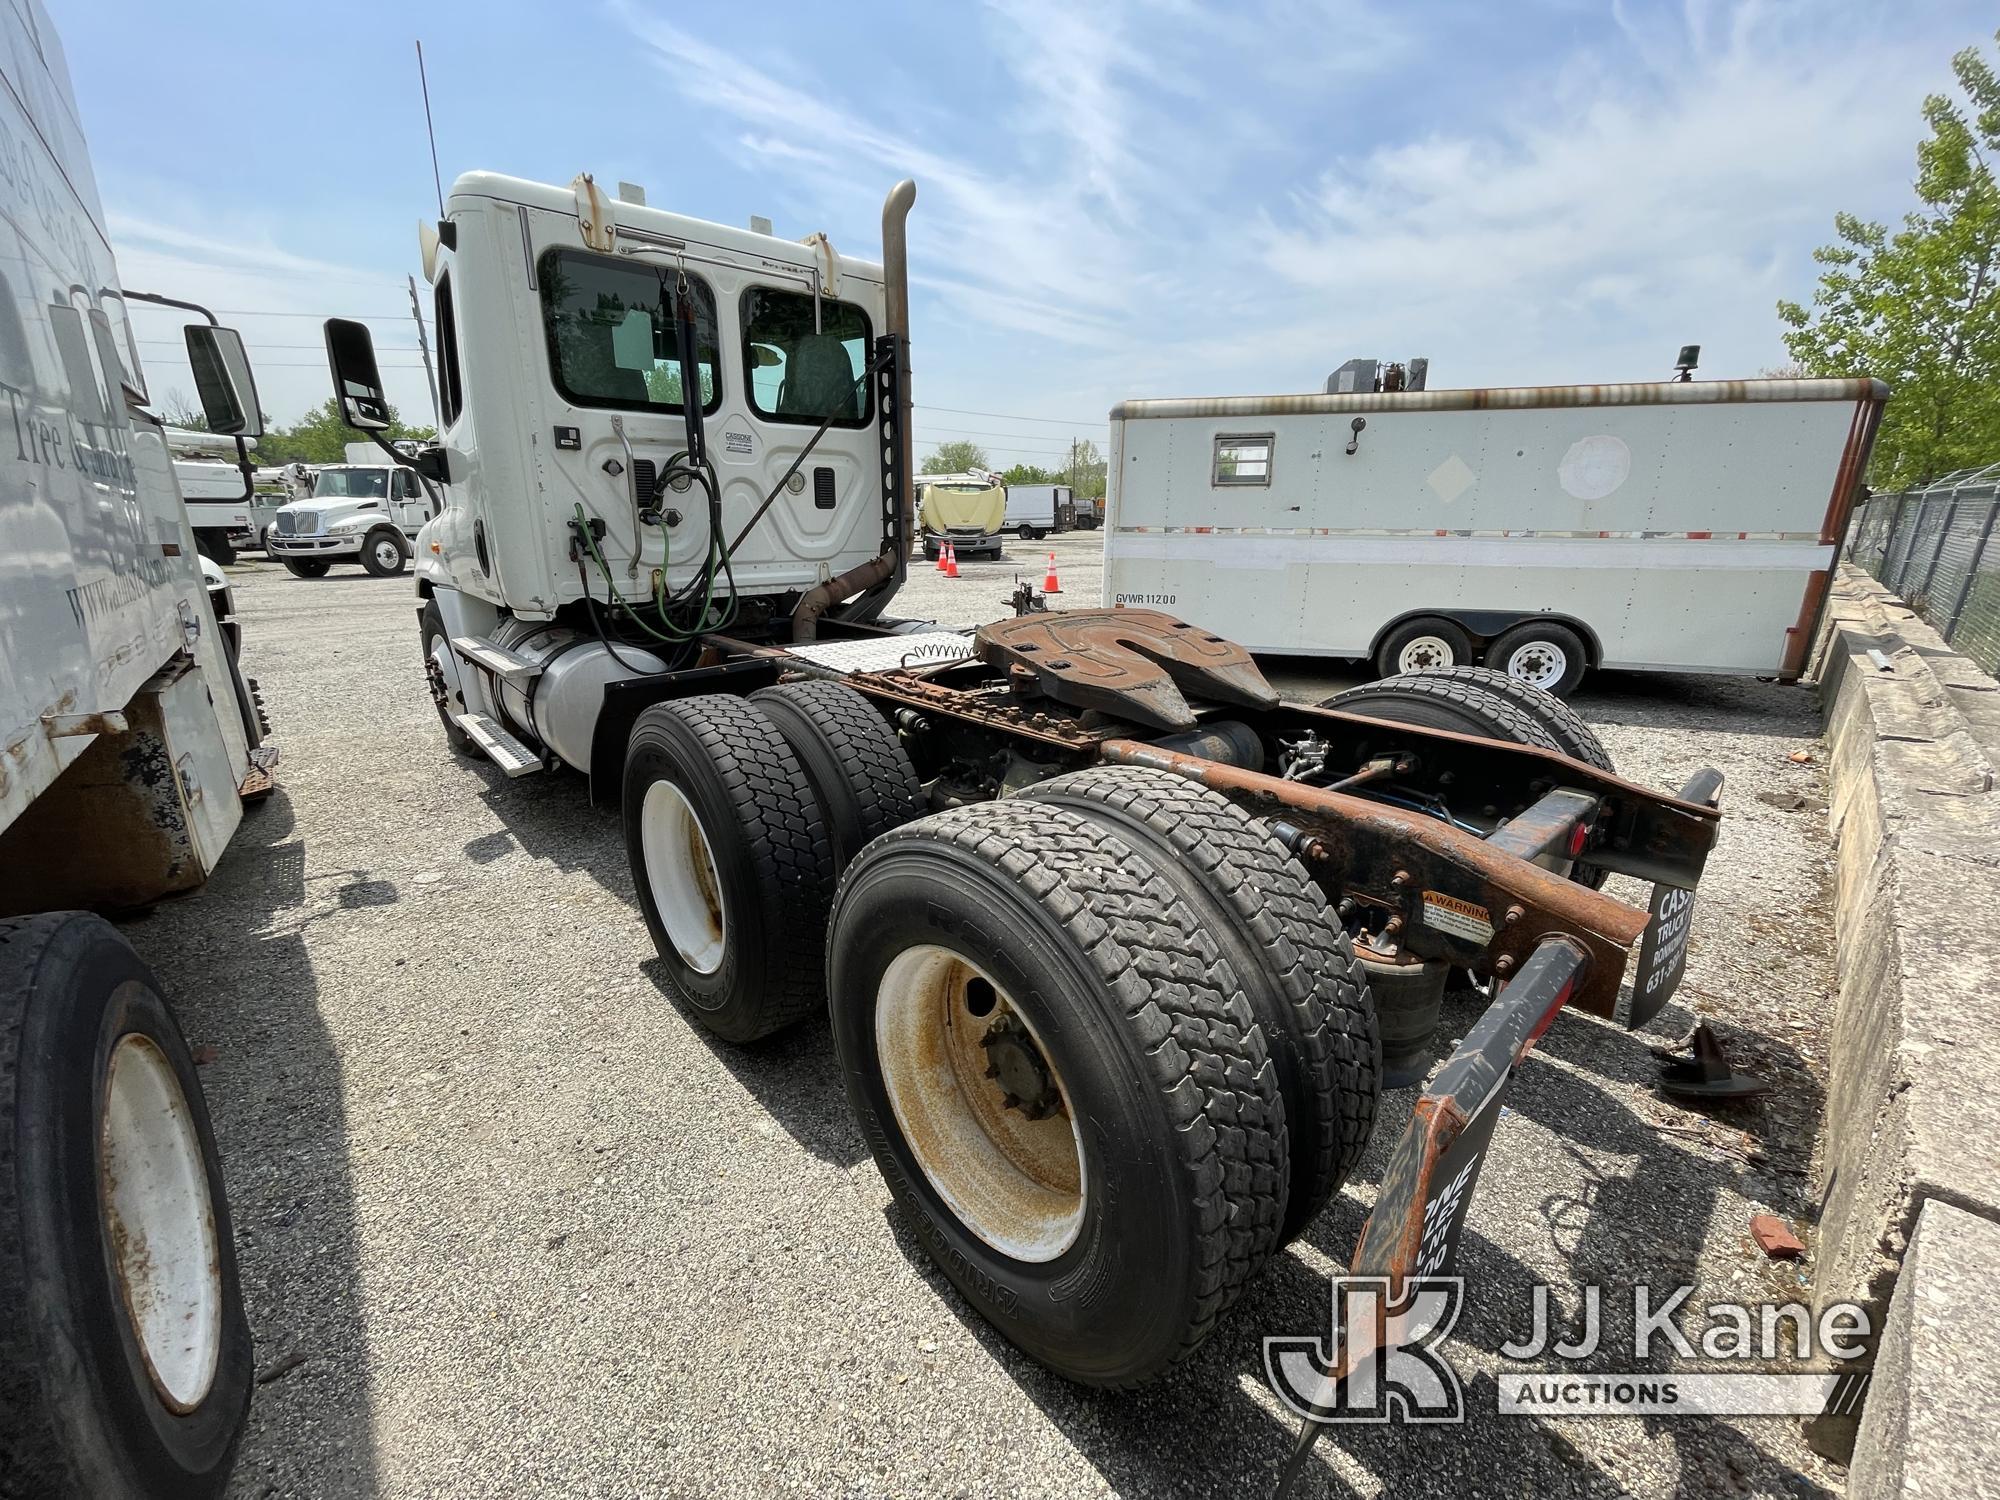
950,560
1049,584
943,548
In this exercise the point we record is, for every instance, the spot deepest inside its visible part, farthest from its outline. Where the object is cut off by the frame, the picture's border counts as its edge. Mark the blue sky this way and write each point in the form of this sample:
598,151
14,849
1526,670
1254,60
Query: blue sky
1118,198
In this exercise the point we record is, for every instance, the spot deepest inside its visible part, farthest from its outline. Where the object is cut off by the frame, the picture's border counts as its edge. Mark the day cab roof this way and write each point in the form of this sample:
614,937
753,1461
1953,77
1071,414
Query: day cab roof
642,222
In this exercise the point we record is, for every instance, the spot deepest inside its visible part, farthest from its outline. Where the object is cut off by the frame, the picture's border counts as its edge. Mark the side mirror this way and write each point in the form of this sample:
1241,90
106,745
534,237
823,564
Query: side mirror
350,354
222,378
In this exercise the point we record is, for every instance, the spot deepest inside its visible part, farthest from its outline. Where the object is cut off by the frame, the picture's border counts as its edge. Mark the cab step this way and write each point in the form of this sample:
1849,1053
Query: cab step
517,670
500,747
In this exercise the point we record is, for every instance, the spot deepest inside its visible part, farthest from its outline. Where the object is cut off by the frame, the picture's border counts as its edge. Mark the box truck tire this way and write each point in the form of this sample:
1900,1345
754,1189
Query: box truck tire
1305,988
860,773
306,567
382,554
125,1357
732,863
1061,1082
1416,645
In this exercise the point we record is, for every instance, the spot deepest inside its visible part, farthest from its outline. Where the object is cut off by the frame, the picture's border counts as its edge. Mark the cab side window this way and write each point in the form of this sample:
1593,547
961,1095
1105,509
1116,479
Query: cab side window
612,334
797,370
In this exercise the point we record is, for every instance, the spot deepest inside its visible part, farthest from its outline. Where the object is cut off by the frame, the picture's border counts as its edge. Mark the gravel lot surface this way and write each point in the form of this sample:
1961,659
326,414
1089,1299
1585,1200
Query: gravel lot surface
510,1225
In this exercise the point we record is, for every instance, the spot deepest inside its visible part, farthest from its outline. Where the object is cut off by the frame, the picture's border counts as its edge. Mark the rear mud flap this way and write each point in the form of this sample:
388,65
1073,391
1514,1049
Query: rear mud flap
1663,952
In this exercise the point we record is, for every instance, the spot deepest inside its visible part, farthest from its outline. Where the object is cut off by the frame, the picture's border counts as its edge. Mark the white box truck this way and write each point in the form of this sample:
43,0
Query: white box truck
367,511
1677,526
130,741
1035,510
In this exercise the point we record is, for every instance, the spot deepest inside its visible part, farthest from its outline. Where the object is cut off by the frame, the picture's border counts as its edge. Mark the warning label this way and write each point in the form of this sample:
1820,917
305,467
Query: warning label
1460,919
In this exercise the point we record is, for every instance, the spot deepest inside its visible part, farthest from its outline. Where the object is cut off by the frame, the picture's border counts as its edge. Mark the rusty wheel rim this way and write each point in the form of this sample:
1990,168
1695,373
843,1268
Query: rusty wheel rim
153,1185
1009,1164
680,869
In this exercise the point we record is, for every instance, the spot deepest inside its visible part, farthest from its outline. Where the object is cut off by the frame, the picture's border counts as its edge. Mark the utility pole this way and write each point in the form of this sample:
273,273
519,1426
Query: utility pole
424,348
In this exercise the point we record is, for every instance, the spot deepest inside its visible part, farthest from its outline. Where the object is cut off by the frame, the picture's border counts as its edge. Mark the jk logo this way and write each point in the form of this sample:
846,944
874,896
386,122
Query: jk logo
1385,1349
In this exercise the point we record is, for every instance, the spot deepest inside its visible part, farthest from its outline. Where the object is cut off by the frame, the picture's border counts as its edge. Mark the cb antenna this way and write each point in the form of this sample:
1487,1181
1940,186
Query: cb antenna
430,129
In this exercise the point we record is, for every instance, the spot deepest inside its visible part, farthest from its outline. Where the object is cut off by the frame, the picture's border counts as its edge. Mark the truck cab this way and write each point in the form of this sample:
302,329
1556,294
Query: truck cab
367,511
967,510
593,524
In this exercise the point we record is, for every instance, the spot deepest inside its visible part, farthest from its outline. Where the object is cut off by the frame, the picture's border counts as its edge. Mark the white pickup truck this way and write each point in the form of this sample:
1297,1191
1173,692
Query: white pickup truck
364,511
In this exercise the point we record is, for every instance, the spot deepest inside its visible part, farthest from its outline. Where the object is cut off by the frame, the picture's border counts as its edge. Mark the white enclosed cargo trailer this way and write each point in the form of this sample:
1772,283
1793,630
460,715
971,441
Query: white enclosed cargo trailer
1679,526
130,739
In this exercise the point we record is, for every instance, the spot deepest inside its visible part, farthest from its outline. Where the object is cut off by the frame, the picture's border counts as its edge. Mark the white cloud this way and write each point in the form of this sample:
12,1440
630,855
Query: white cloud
1166,201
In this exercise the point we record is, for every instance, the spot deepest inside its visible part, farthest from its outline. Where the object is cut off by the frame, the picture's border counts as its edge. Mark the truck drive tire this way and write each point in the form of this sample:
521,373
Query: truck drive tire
1465,704
216,546
437,649
732,863
1577,739
125,1357
1417,644
859,771
382,554
306,567
1304,985
1061,1082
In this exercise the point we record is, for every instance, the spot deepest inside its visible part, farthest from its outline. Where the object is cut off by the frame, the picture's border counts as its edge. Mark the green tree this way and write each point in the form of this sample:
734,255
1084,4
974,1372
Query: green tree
957,457
321,437
1917,307
1085,471
1031,474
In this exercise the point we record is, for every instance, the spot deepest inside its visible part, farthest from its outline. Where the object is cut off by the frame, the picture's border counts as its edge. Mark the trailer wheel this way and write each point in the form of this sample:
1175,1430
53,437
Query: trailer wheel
1541,654
1417,644
306,567
1061,1082
125,1356
859,771
437,658
732,862
1304,985
382,554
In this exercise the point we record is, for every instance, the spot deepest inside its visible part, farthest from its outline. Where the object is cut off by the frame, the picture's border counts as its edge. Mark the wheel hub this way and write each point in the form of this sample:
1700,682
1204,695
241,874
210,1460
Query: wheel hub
1015,1063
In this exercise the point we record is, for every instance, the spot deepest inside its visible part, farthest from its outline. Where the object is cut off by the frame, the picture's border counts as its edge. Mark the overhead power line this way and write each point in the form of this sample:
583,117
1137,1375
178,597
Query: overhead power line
1008,416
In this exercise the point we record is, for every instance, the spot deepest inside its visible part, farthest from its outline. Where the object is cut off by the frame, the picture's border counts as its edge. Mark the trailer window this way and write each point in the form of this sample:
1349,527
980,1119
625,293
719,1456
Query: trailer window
1243,457
798,373
612,340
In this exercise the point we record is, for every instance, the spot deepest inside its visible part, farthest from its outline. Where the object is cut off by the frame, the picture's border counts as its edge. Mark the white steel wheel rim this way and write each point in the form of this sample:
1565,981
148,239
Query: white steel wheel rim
680,869
1425,651
387,553
1015,1182
1538,663
153,1185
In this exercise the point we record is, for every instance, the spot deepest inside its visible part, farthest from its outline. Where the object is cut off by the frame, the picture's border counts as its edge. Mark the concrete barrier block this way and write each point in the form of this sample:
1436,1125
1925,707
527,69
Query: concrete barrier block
1928,1427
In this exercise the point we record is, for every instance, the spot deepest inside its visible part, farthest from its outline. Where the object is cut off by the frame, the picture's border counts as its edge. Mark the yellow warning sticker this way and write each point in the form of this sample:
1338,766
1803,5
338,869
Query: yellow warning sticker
1463,920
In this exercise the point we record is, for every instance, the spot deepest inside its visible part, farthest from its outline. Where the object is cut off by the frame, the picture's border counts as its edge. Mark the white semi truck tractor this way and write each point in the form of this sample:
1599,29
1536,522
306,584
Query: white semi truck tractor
1099,922
131,744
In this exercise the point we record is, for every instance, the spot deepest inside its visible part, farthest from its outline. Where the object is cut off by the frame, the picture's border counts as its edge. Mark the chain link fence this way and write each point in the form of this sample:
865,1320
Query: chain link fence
1935,548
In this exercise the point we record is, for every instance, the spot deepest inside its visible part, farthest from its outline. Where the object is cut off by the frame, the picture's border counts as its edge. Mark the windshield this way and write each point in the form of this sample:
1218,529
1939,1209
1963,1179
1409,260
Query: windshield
336,484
